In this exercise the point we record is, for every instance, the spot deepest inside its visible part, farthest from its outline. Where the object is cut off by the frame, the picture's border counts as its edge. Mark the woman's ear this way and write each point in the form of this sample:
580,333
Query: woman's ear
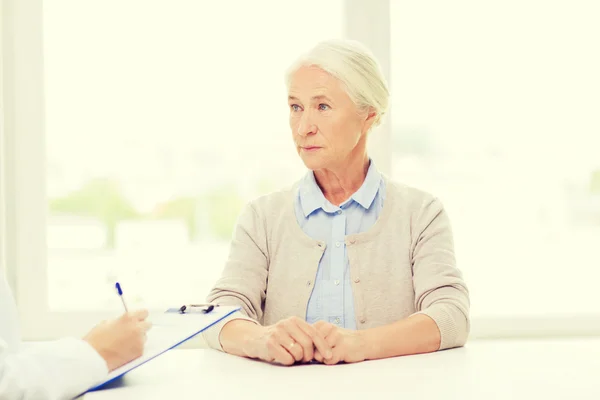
371,117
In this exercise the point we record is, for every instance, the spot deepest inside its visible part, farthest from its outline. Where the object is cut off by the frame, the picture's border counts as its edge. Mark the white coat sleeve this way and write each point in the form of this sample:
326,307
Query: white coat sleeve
55,370
49,370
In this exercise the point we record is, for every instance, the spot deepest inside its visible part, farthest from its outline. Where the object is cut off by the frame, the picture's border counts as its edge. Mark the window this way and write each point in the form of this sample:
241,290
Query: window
136,130
495,111
162,120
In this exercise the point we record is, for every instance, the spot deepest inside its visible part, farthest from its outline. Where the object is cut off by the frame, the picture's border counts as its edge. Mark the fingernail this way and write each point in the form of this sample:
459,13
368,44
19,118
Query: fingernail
328,355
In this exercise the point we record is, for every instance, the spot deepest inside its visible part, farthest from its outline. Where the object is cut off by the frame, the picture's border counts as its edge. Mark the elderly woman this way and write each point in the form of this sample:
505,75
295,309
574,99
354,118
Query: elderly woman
346,265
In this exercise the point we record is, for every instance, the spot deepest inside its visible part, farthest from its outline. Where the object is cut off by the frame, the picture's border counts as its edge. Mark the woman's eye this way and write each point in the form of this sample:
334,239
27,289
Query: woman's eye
323,107
295,107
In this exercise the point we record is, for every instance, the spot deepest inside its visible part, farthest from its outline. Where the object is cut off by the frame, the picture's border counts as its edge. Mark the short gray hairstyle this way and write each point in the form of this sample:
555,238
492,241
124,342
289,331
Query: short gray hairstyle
355,66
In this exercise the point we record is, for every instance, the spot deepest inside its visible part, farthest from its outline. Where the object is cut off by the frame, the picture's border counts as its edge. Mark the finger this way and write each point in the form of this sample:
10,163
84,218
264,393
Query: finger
333,337
145,326
292,347
139,314
318,338
323,327
317,356
276,353
331,340
302,338
335,358
319,324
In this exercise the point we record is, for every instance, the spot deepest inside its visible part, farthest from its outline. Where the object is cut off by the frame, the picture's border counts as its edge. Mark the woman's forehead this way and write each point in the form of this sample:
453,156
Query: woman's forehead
313,81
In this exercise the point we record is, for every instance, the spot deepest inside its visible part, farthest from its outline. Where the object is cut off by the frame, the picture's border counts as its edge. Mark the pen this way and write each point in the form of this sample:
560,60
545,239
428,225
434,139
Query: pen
120,293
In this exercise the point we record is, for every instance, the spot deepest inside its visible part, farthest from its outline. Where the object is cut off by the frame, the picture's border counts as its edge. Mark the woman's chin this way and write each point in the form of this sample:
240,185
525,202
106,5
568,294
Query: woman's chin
312,161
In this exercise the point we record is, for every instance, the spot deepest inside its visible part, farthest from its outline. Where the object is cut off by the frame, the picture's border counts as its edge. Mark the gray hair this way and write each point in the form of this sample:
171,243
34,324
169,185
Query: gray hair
355,66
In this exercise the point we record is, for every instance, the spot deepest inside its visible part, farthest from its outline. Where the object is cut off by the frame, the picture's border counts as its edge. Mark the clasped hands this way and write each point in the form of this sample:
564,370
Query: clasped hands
294,340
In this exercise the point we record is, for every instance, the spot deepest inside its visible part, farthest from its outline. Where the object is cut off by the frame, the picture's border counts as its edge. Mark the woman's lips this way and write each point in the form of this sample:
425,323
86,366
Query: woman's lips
310,148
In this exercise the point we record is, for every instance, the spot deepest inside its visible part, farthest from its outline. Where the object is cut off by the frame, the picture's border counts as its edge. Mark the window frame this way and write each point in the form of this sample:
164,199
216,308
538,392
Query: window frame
24,198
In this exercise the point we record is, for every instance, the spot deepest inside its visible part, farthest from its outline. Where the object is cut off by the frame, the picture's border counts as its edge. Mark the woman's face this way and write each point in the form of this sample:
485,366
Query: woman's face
327,127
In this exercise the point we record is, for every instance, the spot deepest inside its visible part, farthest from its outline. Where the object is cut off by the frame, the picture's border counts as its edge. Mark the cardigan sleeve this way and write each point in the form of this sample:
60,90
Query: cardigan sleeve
243,282
440,291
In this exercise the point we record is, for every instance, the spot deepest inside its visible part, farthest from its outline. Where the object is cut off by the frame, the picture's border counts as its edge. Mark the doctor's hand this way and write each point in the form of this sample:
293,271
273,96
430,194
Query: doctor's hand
347,345
120,340
286,342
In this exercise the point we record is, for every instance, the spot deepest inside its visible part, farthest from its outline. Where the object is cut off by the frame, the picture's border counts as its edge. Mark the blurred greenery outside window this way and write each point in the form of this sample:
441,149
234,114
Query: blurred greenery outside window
103,199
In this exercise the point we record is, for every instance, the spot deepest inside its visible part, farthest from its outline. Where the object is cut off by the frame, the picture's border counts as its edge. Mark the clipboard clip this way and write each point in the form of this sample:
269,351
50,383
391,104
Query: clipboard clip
192,308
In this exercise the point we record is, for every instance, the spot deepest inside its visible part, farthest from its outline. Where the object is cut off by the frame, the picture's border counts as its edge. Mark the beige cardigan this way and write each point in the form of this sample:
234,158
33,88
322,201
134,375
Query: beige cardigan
403,265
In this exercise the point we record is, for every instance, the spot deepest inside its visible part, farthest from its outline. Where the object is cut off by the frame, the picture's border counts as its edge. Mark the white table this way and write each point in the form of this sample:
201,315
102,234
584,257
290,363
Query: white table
510,369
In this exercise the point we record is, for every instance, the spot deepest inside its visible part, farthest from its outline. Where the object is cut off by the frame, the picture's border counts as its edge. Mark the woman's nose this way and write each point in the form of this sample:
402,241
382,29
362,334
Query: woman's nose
306,127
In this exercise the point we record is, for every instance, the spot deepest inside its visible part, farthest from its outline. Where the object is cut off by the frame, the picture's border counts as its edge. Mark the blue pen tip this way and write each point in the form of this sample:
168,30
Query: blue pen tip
119,289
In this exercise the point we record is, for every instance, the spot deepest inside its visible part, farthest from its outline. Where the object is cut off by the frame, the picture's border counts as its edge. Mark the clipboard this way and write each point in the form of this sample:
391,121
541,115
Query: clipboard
169,330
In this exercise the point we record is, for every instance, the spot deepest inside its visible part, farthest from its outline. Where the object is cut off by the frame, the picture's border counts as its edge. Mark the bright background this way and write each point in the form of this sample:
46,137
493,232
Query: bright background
162,118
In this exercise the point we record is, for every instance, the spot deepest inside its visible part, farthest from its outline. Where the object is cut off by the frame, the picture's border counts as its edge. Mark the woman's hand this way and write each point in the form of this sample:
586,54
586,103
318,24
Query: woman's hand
288,341
347,345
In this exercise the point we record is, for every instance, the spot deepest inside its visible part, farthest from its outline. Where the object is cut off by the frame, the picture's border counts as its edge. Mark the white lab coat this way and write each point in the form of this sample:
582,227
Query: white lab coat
54,370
